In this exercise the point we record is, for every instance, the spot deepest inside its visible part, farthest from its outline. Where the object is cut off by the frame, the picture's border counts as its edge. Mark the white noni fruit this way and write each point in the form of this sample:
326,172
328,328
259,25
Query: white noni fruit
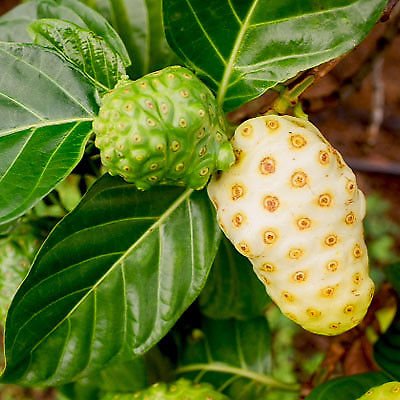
292,206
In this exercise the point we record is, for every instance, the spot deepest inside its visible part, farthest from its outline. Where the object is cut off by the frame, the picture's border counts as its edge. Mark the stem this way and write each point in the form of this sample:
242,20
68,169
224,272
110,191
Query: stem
223,368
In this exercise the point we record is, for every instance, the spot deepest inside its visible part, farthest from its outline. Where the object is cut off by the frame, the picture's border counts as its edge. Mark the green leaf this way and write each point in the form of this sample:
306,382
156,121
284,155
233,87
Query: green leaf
242,48
73,11
387,349
88,52
233,355
393,275
110,281
348,387
140,25
46,108
232,289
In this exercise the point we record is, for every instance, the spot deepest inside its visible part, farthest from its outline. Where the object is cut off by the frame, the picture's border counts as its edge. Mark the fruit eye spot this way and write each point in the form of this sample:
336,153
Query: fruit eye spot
237,220
304,223
149,104
164,108
187,76
351,187
247,130
171,76
295,253
266,280
202,113
325,200
150,122
160,147
175,146
126,168
267,267
204,171
299,179
288,296
237,191
312,313
203,151
323,157
179,167
328,291
350,218
137,138
271,203
184,93
128,107
335,326
153,166
272,124
270,237
201,133
349,309
331,240
357,278
153,179
299,276
298,141
142,84
182,123
267,166
357,252
244,248
332,266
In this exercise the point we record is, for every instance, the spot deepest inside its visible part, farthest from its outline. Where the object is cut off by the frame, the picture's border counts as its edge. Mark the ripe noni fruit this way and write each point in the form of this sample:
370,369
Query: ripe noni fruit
387,391
180,390
292,206
164,128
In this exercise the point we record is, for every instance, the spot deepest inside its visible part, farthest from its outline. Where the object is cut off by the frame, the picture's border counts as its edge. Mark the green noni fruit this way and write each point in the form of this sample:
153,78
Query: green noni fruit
17,251
164,128
387,391
180,390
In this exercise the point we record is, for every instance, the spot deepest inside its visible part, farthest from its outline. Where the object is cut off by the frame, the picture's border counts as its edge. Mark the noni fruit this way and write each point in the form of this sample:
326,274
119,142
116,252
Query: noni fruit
180,390
16,254
387,391
292,206
164,128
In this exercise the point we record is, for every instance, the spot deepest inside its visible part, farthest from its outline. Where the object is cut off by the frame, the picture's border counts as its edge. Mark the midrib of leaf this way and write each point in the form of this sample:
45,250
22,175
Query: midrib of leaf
183,197
229,67
19,104
45,124
55,83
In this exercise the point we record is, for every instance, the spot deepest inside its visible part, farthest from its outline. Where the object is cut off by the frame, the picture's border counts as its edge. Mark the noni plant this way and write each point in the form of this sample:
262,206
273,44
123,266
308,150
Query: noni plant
213,237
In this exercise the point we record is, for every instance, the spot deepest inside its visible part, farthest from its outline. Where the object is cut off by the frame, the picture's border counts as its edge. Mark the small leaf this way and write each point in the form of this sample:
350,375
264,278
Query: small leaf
88,52
110,280
387,349
233,289
73,11
348,387
140,25
243,48
46,108
232,354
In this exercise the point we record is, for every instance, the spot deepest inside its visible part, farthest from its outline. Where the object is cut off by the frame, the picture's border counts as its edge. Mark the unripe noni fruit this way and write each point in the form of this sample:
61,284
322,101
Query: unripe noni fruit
387,391
292,206
164,128
180,390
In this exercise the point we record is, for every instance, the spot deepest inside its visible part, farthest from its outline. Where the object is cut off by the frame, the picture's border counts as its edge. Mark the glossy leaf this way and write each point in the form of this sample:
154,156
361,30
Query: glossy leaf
232,354
14,24
46,108
88,52
140,25
110,281
232,289
349,387
387,349
242,48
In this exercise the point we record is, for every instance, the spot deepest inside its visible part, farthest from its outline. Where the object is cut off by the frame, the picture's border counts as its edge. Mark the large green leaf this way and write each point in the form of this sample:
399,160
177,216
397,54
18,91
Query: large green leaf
242,48
88,52
348,387
234,355
14,25
387,349
46,108
140,25
110,281
232,289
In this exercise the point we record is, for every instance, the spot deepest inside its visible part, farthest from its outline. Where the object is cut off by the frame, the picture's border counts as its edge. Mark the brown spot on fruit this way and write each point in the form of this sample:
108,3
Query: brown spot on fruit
299,179
298,141
331,240
351,186
243,248
182,123
238,220
267,166
271,203
184,93
323,157
350,218
325,200
270,237
357,252
348,309
304,223
272,124
267,267
357,278
247,130
295,254
332,266
334,326
237,191
328,291
288,297
313,313
299,276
